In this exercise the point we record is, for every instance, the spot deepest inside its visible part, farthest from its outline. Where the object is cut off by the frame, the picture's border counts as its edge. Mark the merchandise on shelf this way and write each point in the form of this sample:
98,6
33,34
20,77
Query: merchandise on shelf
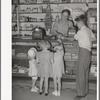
15,1
65,1
45,1
21,55
48,18
67,56
94,45
38,33
28,1
52,1
71,31
22,70
76,12
94,58
93,70
92,19
82,1
39,1
19,69
75,56
71,64
14,27
70,72
13,9
14,17
94,52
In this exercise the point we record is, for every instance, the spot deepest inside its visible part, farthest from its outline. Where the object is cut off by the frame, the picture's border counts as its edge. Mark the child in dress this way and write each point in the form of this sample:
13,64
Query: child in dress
33,68
58,67
45,58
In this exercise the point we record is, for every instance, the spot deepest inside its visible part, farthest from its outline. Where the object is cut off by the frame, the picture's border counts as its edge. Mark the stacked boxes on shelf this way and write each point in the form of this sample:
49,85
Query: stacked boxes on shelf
19,69
92,19
70,57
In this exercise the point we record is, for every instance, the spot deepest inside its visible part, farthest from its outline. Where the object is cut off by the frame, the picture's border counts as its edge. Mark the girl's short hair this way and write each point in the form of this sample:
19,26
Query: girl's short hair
82,18
66,10
44,44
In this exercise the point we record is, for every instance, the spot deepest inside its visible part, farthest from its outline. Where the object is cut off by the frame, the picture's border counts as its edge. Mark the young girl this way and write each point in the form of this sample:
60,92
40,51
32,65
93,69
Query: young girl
45,58
58,68
33,67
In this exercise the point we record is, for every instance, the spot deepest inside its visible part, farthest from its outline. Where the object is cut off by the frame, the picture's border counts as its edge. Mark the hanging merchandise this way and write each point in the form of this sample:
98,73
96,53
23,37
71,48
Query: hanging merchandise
57,18
48,18
77,12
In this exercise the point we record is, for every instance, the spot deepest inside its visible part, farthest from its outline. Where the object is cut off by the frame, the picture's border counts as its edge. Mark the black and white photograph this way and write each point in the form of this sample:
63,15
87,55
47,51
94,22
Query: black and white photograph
53,50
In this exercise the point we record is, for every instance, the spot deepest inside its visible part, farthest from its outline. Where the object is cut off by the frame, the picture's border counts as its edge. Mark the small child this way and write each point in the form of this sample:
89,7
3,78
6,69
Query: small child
33,68
45,58
58,67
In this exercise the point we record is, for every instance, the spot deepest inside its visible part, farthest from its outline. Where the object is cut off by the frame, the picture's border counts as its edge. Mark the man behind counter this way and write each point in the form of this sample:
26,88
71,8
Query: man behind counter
61,26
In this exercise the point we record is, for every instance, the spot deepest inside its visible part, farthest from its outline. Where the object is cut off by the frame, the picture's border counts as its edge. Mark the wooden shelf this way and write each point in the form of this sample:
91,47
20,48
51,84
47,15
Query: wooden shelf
36,12
19,58
31,21
30,40
55,3
64,76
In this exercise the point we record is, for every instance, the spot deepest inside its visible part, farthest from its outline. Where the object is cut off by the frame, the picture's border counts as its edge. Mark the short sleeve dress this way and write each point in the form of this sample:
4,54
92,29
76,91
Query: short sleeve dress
32,68
58,65
45,64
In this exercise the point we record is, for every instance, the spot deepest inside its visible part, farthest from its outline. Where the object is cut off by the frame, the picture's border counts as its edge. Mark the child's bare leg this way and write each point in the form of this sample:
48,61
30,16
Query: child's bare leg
55,83
55,86
59,85
46,84
41,83
34,88
33,83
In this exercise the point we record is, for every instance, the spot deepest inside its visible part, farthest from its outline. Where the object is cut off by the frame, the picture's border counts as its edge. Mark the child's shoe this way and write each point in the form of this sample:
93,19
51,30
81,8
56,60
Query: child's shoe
58,93
54,93
34,90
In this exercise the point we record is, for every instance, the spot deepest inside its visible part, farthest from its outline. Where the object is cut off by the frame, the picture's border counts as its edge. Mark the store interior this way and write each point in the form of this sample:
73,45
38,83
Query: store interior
30,15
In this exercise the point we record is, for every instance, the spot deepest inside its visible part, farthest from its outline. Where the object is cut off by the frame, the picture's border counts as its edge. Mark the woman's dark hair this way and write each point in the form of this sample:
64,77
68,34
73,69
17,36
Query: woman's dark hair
66,10
82,18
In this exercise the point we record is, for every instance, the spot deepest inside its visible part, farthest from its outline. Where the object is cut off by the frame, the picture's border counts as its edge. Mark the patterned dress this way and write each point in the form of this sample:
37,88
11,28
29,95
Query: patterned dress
45,59
58,66
32,68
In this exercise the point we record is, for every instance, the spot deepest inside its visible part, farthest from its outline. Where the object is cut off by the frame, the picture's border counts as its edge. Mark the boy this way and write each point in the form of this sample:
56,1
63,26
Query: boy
85,38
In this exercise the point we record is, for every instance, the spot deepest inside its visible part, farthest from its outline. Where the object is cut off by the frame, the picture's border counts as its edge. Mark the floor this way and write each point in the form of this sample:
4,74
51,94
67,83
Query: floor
21,91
